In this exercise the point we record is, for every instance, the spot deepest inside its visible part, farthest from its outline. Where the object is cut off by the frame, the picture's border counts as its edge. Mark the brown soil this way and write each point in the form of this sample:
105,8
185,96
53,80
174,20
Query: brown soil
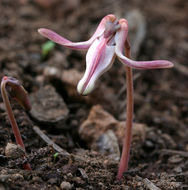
161,97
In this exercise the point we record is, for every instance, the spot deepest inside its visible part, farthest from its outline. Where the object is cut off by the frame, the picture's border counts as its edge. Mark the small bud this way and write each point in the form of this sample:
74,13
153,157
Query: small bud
17,91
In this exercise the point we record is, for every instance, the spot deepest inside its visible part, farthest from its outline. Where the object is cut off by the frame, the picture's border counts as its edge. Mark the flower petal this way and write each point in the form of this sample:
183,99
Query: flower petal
120,39
99,59
53,36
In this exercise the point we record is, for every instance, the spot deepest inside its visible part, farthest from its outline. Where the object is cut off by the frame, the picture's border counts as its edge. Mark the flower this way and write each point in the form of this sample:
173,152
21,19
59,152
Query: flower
107,42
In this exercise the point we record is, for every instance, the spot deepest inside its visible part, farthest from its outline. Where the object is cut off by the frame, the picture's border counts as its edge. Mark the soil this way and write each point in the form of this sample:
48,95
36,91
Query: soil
158,161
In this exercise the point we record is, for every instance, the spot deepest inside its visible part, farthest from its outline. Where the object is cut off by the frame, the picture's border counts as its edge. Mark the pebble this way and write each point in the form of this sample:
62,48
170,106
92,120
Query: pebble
53,180
14,151
37,179
48,107
83,173
52,72
78,180
175,159
65,185
100,121
4,177
17,177
108,144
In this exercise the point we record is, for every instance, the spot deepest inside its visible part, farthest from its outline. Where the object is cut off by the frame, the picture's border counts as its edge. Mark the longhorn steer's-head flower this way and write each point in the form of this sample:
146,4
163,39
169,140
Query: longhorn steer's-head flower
107,42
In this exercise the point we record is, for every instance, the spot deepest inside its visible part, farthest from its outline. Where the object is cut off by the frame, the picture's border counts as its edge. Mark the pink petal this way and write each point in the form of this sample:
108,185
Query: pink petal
99,59
53,36
120,39
101,27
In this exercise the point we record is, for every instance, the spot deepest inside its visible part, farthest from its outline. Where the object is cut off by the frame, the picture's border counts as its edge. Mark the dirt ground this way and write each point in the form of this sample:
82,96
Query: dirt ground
74,142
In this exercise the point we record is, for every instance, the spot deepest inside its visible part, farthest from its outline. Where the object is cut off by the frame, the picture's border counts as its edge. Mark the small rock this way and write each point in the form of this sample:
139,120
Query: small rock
69,175
149,144
96,124
106,162
14,151
170,143
125,187
83,173
69,169
175,159
17,177
108,144
178,169
78,180
48,107
40,79
51,72
53,180
37,179
99,121
65,186
139,133
4,177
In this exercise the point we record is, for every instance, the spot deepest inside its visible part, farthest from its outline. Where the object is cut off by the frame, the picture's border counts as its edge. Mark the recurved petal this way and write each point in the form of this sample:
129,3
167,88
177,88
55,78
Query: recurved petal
99,59
120,39
53,36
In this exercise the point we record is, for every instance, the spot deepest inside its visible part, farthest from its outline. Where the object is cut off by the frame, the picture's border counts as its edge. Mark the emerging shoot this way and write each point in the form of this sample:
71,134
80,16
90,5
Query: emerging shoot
12,87
46,48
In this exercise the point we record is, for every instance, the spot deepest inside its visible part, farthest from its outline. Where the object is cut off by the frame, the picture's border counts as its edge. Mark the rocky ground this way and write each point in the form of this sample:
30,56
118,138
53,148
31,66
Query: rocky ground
74,142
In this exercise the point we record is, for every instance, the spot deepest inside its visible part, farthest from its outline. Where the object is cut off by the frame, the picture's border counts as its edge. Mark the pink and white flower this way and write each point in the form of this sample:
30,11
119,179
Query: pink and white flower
107,42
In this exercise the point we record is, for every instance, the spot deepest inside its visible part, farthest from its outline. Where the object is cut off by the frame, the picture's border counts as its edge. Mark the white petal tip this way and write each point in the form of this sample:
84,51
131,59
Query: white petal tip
84,91
170,64
41,30
165,64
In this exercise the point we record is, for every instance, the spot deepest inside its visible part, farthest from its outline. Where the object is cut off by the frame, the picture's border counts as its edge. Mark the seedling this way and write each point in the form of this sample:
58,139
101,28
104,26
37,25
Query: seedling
46,48
55,156
108,41
16,91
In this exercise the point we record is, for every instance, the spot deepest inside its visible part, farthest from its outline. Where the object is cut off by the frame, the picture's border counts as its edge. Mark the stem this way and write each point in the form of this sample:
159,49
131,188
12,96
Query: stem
12,120
123,166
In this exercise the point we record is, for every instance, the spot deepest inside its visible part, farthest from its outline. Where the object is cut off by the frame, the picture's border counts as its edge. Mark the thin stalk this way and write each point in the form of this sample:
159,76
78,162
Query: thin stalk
123,166
12,120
